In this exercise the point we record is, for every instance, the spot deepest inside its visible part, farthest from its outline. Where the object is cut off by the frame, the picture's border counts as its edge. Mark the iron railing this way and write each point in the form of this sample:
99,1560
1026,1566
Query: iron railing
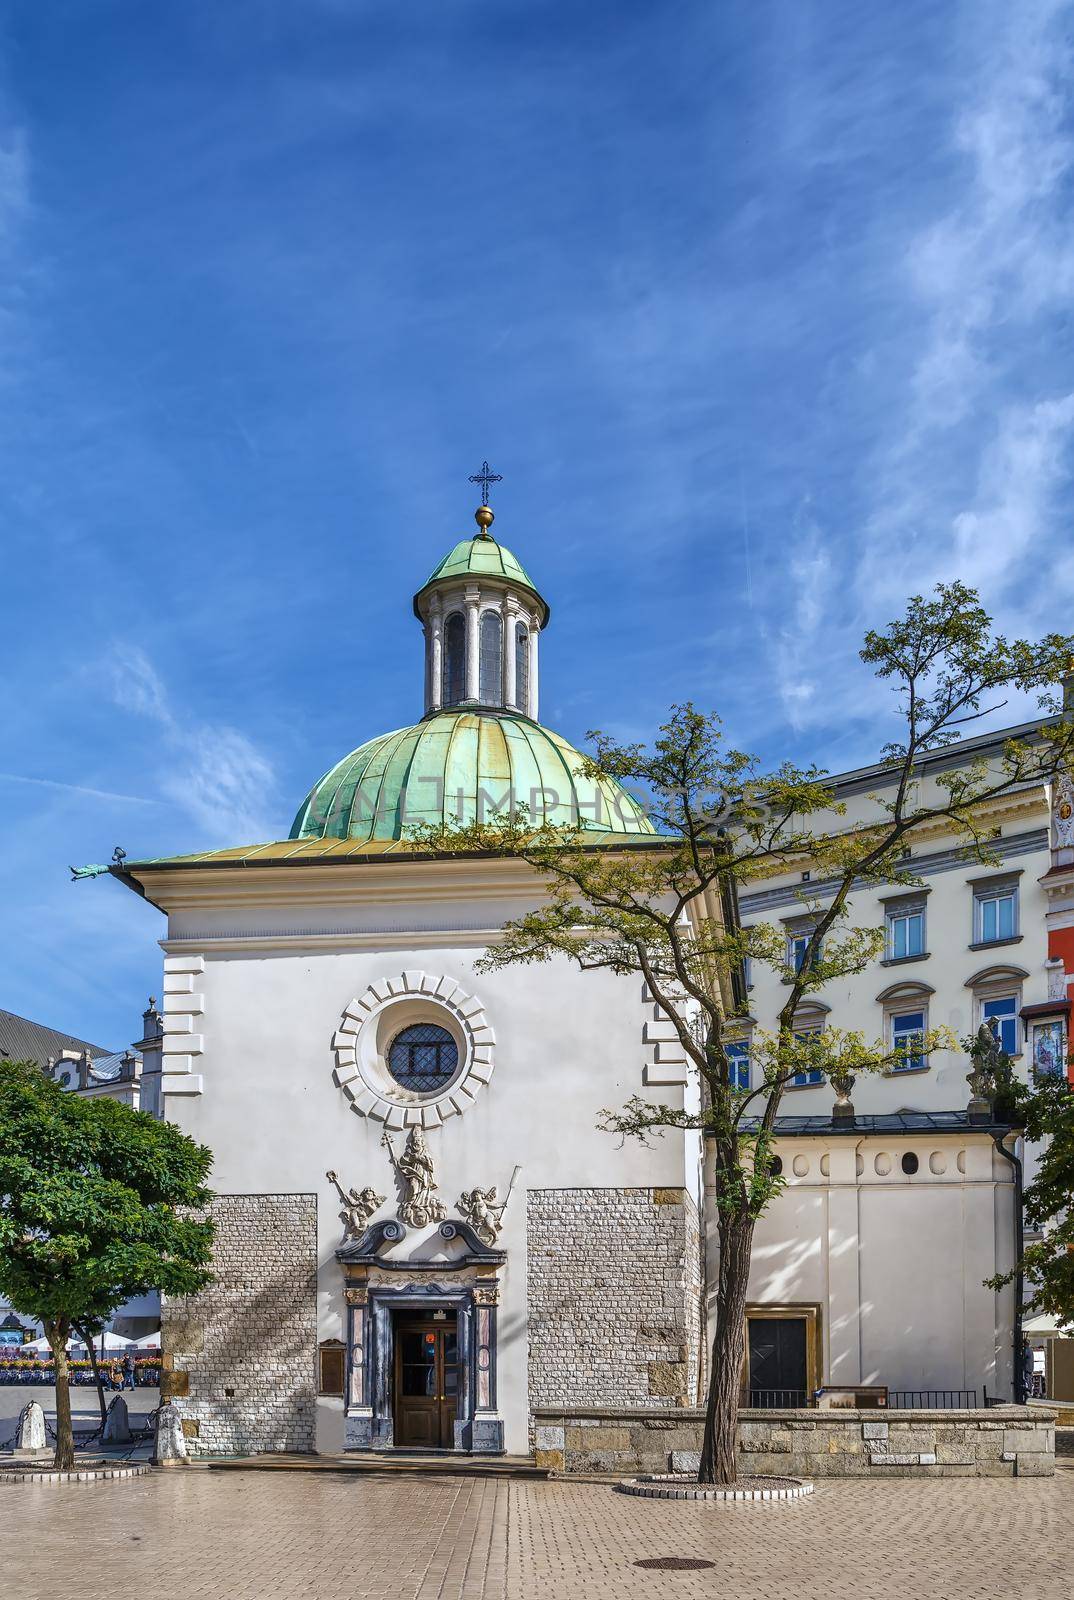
932,1399
778,1399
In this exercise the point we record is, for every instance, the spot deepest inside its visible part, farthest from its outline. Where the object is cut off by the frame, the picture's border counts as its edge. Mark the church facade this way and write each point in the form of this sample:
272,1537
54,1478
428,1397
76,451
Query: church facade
423,1239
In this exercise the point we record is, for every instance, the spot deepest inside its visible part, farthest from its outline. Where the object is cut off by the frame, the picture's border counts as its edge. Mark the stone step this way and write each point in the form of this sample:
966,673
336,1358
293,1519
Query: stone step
445,1463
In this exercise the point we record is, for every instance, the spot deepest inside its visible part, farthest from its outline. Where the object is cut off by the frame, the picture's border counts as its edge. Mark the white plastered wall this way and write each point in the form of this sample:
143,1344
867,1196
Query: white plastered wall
896,1262
275,978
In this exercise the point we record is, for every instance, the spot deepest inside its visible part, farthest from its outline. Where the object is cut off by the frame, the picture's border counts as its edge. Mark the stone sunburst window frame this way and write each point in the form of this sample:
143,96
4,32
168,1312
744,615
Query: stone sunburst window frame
372,1020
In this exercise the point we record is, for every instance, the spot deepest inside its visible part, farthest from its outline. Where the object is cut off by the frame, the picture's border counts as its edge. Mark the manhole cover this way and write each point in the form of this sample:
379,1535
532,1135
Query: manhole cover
674,1563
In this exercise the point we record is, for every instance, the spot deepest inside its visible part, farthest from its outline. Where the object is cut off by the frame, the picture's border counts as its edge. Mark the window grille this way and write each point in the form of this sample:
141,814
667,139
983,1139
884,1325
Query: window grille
490,691
522,666
455,659
423,1058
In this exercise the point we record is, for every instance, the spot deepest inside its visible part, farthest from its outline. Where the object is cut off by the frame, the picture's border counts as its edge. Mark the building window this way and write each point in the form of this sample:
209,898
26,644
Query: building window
797,945
738,1058
995,915
908,1036
905,934
806,1080
423,1058
490,691
522,666
454,659
1004,1012
909,1163
1049,1049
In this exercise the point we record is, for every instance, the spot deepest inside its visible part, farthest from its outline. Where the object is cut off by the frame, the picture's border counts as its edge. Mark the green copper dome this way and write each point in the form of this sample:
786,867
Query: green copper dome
435,771
482,557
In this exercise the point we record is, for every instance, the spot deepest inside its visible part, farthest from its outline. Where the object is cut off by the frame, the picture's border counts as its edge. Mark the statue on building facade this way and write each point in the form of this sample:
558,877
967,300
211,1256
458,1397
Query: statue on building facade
357,1207
478,1207
1063,812
416,1176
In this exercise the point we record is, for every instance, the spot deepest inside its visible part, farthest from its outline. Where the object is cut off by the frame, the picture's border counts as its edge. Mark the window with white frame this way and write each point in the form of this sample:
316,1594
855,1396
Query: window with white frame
738,1057
813,1075
797,945
995,911
905,929
1003,1011
908,1038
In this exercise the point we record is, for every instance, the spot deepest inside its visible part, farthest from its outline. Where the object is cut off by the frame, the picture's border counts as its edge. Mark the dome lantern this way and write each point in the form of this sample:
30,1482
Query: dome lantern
482,615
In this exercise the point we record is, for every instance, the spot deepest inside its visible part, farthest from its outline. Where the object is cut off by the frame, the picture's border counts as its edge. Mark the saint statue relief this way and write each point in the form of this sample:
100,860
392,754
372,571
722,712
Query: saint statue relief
1063,814
416,1176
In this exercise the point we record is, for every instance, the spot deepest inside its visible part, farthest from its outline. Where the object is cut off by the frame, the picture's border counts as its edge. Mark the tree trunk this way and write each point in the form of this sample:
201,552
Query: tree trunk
98,1380
56,1333
719,1450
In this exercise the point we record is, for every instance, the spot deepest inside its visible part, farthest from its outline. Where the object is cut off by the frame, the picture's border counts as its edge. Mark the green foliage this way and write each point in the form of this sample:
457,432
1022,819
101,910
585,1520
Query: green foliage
1045,1110
93,1202
664,909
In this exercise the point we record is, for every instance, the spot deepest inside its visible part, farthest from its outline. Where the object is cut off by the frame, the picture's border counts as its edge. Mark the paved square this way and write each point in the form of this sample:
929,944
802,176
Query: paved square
299,1535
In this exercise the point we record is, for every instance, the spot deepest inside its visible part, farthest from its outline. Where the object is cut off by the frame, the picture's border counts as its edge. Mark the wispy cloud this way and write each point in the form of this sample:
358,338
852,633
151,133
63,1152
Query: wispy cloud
211,771
77,788
984,277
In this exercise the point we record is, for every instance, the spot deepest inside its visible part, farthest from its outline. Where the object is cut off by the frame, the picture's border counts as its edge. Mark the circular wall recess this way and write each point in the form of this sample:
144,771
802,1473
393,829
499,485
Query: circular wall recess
937,1162
882,1164
373,1019
800,1166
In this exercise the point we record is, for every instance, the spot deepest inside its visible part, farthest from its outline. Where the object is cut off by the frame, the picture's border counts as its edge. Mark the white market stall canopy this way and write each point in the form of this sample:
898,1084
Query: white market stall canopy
1045,1326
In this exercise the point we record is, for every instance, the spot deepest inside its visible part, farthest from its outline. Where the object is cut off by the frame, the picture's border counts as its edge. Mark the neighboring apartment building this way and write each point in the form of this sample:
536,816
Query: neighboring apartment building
971,944
874,1250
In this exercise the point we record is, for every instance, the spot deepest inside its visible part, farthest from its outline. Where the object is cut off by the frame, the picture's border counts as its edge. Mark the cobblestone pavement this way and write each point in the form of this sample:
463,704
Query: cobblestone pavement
299,1535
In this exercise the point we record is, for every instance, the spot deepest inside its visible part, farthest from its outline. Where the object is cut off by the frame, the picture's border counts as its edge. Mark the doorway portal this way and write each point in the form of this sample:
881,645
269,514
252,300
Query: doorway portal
428,1379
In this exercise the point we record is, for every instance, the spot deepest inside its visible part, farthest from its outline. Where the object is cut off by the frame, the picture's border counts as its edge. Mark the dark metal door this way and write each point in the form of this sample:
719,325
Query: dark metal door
427,1379
777,1361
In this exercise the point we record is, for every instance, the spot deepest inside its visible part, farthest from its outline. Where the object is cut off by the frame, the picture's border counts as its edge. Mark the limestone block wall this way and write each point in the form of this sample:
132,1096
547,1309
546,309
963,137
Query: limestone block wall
999,1442
244,1350
614,1297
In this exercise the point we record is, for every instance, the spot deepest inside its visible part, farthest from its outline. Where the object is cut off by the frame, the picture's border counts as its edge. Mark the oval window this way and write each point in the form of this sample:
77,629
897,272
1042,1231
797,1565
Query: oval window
910,1163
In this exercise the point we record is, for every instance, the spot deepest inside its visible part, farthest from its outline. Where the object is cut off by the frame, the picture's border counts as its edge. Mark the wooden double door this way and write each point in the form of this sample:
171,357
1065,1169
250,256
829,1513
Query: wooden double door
428,1381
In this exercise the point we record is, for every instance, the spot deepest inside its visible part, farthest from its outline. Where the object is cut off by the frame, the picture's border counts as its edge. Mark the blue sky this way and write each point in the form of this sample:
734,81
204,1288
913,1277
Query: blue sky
763,311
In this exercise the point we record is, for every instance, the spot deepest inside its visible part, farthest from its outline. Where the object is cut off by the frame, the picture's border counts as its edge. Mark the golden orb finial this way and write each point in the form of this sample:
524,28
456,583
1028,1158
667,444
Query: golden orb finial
484,518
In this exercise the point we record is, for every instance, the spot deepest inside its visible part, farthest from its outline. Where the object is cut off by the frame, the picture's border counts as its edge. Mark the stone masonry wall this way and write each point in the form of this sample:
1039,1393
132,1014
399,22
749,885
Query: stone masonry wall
614,1297
1002,1441
248,1343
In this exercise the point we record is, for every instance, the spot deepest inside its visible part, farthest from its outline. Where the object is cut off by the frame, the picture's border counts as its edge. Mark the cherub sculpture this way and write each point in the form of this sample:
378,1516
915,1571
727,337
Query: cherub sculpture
478,1207
357,1208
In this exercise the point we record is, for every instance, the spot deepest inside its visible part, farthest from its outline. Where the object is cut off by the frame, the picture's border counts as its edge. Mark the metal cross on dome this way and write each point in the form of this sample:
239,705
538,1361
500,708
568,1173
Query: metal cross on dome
484,478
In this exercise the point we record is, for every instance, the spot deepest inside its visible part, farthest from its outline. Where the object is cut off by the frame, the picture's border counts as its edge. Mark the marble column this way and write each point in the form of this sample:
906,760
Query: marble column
473,642
533,705
510,622
435,698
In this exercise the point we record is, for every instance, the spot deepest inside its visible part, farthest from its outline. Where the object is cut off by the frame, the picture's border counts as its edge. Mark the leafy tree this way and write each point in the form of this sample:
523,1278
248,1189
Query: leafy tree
1045,1111
93,1209
666,911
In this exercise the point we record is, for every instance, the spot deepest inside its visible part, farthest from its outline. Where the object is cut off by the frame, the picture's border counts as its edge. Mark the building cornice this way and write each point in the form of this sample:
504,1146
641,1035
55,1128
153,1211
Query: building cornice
957,858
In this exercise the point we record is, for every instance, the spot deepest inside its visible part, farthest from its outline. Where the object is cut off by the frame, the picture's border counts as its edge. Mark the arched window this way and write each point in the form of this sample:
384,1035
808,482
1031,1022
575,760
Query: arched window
522,666
454,659
490,692
423,1058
